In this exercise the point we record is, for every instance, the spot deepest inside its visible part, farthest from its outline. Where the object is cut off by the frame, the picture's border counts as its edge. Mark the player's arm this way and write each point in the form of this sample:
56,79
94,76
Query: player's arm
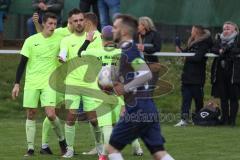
88,40
37,25
143,76
19,73
62,57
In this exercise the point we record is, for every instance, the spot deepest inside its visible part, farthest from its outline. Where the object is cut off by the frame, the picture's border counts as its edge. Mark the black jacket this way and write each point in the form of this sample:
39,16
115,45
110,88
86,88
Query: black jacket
4,5
55,6
230,59
152,44
195,66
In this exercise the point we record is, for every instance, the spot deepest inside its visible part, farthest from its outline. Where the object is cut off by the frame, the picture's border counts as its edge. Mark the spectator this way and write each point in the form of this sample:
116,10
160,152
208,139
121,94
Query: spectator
4,6
149,42
225,75
85,6
193,76
43,6
107,10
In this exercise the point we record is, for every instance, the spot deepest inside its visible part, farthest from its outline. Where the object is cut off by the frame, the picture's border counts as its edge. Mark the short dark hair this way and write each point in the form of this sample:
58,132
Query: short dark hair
49,15
130,21
74,11
92,17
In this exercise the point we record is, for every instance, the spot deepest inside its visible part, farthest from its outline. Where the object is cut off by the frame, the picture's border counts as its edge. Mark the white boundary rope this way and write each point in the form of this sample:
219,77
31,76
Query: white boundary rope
175,54
9,51
162,54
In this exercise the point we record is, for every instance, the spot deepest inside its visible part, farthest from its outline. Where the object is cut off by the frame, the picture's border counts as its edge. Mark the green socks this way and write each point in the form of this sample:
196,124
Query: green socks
30,133
106,130
57,127
70,135
45,131
97,133
98,138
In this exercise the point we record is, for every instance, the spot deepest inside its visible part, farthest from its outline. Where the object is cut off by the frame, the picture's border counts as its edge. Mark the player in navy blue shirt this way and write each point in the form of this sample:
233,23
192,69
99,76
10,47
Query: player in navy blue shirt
141,118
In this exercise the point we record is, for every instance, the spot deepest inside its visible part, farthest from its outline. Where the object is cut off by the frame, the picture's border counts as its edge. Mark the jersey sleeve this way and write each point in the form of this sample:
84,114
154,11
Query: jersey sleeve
137,63
63,49
97,42
121,100
26,49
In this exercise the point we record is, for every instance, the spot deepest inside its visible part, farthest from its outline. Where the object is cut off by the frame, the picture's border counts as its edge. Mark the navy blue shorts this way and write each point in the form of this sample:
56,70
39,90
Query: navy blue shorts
141,121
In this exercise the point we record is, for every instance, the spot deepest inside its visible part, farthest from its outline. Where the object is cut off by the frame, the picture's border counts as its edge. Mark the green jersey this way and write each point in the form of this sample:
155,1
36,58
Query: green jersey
70,46
42,59
107,56
63,31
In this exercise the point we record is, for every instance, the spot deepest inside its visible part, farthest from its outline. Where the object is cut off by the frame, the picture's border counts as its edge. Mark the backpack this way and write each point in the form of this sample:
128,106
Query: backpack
207,116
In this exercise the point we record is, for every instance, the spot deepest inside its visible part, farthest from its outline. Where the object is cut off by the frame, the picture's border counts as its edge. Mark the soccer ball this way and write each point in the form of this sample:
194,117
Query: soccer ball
106,78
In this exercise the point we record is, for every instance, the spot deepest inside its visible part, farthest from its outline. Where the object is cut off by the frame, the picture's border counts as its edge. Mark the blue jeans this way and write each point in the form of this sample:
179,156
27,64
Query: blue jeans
2,13
107,10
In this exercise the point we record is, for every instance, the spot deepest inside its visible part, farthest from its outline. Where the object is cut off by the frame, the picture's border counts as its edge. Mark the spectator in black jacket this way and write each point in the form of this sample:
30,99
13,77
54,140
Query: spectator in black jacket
43,6
225,75
86,6
193,75
149,42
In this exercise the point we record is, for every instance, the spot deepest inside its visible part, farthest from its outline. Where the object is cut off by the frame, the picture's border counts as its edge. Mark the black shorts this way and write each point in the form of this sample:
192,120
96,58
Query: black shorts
142,122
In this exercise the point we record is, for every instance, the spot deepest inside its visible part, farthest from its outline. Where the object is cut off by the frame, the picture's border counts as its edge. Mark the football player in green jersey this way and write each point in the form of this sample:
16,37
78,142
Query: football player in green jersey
38,56
69,50
63,32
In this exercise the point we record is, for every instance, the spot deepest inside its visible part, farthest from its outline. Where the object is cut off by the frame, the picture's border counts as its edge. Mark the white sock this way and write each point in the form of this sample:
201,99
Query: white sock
167,157
106,130
115,156
44,146
135,144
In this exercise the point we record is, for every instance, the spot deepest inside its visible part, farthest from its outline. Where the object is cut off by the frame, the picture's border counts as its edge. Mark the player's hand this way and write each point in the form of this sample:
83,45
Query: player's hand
123,110
15,91
140,47
118,88
221,51
60,59
35,17
41,5
45,8
178,49
90,36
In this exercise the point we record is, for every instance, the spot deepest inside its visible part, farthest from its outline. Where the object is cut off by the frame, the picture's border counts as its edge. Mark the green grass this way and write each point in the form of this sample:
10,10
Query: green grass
188,143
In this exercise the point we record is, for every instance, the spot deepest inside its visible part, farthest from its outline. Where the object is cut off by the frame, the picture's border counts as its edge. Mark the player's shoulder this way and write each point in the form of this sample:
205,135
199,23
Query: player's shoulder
131,51
68,38
92,51
33,38
116,51
97,33
62,31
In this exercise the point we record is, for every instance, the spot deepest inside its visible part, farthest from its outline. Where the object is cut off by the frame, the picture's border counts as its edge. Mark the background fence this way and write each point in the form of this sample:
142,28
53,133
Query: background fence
171,16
